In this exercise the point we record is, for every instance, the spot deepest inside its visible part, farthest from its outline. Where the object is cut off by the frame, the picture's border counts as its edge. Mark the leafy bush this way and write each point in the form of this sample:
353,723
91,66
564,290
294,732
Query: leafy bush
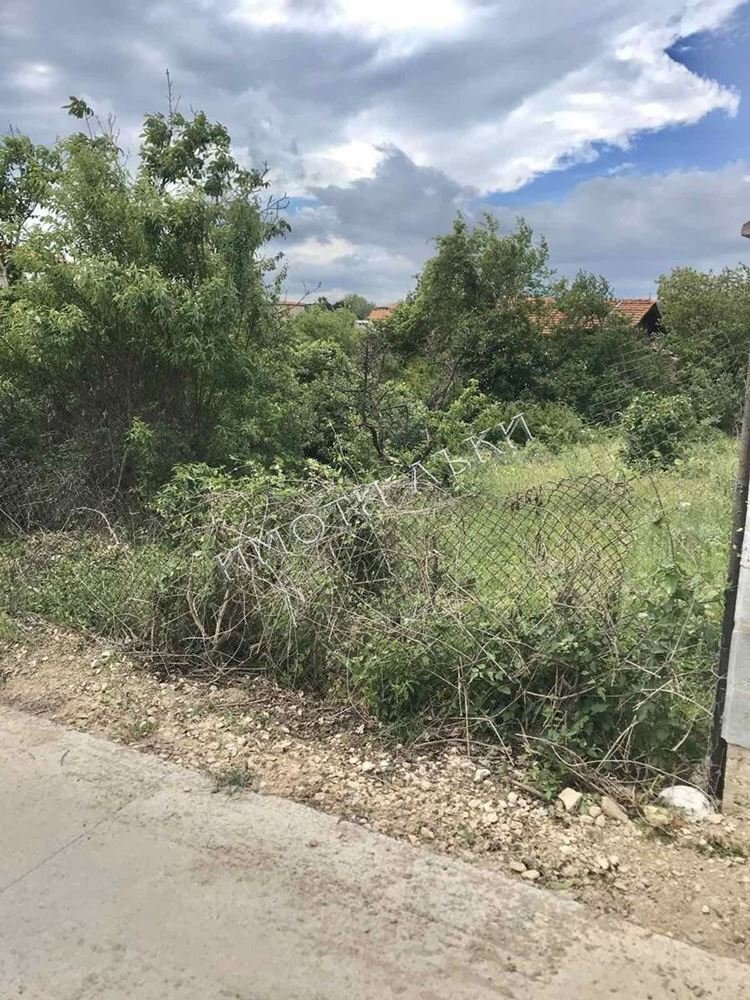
656,429
186,500
553,424
573,684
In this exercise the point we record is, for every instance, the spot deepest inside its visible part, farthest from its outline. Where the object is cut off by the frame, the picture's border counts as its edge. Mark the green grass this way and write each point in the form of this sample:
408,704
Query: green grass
489,583
232,780
682,513
136,732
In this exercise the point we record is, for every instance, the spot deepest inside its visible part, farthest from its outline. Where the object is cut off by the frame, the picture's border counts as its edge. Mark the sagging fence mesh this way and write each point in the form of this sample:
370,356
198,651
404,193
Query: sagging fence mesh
546,612
386,550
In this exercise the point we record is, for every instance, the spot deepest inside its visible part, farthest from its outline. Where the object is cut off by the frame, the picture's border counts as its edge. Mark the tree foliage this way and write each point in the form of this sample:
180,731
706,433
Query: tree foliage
475,309
139,326
26,174
357,304
707,321
144,297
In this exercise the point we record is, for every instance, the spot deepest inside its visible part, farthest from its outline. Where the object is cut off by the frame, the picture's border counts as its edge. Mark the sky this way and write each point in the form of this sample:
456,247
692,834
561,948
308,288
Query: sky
619,129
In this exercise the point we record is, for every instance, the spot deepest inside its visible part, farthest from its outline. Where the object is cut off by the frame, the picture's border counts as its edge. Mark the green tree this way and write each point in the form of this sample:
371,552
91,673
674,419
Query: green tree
656,429
707,321
356,304
145,301
597,361
317,323
476,311
26,175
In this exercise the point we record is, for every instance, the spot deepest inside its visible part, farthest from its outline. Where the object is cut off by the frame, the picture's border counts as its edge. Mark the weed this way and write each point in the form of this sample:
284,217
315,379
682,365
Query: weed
136,732
9,630
232,780
726,849
468,835
416,618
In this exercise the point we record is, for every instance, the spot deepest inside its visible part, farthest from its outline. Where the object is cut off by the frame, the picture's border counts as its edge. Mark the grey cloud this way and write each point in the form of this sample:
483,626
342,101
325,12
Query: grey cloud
284,93
630,228
400,205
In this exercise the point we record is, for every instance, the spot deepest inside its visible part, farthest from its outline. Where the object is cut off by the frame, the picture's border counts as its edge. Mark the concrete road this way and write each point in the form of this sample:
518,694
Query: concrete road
124,878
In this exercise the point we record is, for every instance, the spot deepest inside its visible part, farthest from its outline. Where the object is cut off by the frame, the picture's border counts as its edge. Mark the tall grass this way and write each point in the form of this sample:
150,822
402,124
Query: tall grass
682,513
416,618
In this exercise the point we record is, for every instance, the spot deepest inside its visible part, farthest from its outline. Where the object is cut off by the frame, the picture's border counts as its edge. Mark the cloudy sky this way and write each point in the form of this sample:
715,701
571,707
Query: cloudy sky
618,128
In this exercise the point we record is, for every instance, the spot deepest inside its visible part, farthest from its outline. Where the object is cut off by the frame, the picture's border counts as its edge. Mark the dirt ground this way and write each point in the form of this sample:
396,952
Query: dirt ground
691,881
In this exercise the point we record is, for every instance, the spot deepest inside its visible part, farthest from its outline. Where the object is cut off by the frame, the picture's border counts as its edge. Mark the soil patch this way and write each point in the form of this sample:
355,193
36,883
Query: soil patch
690,882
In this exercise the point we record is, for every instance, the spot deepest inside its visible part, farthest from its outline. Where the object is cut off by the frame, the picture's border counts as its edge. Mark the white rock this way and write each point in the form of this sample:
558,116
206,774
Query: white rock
691,801
531,875
481,774
613,810
518,867
570,799
367,766
600,821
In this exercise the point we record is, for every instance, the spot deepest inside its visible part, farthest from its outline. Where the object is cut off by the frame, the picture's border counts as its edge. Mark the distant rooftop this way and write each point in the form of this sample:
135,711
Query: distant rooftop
382,312
634,311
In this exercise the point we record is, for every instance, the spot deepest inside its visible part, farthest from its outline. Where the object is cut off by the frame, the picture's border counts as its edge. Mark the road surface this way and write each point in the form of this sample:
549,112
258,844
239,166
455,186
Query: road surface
122,877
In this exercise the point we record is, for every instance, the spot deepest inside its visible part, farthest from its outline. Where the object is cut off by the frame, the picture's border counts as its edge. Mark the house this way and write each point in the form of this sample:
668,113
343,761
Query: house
643,313
382,312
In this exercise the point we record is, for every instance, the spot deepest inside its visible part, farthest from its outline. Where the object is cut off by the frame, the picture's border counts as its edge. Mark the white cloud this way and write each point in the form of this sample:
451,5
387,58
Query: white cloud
319,252
35,77
404,22
621,168
342,164
491,92
630,228
623,85
396,114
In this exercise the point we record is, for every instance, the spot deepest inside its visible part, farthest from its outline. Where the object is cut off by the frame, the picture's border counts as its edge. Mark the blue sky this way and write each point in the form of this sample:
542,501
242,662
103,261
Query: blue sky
714,141
618,128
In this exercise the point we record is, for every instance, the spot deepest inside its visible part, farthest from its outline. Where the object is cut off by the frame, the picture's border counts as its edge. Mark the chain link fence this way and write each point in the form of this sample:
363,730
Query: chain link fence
562,612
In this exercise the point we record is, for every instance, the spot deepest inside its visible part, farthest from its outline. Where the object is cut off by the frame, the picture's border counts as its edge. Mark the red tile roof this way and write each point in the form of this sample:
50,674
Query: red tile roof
382,312
634,310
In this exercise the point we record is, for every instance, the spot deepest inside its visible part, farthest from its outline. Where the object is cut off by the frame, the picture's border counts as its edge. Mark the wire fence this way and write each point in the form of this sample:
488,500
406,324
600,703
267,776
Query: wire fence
541,592
564,543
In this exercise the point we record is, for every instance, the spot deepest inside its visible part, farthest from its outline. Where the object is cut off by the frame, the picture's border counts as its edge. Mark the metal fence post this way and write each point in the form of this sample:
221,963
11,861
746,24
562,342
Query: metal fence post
729,766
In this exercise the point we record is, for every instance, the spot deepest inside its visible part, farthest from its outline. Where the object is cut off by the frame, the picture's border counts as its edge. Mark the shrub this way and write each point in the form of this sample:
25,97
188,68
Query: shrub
204,499
472,412
553,424
656,429
625,696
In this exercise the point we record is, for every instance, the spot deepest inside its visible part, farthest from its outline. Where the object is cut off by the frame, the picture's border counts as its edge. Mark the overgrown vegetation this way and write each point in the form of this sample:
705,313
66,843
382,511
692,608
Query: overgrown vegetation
149,376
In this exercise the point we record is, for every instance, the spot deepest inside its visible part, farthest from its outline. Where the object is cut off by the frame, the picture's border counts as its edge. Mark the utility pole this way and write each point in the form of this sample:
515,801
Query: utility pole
729,775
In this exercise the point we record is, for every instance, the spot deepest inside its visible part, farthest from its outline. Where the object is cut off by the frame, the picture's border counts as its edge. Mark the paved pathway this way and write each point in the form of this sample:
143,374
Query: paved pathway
124,878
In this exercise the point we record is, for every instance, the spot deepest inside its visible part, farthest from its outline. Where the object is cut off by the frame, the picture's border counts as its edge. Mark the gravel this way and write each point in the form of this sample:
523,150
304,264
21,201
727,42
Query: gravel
336,759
